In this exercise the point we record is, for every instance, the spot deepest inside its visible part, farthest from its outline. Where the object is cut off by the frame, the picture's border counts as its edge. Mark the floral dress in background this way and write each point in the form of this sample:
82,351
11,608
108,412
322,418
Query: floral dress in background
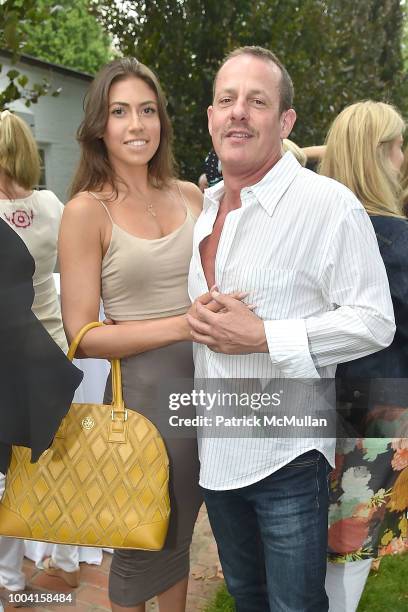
369,503
369,487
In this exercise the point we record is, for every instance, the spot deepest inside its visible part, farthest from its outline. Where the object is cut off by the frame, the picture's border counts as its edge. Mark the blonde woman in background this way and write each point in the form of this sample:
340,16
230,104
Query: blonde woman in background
35,216
369,494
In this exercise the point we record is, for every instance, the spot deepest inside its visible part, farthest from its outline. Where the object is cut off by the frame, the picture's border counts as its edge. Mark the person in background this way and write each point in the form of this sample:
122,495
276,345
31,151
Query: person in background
289,145
212,168
369,487
202,182
35,217
404,183
314,155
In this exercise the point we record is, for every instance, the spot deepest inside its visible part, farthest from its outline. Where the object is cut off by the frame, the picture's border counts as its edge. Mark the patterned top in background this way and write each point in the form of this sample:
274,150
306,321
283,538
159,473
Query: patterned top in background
369,498
369,487
36,219
212,168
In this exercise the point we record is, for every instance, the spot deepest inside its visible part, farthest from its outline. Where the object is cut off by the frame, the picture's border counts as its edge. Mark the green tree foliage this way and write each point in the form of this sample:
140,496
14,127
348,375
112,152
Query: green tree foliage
337,52
405,36
62,32
14,16
69,36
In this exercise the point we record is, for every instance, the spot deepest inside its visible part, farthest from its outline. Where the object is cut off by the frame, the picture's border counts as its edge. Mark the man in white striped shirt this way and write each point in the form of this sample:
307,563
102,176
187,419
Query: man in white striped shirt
305,250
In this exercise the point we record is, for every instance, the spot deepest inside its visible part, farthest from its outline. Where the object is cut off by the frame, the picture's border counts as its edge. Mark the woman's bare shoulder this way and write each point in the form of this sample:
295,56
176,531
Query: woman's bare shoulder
85,204
193,195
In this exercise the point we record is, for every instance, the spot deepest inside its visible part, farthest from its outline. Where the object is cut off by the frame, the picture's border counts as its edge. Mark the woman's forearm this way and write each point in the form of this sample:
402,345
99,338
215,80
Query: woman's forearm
123,340
314,153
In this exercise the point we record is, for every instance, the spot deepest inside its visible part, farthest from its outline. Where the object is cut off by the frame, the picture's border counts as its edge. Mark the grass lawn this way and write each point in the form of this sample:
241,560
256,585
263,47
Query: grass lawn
386,589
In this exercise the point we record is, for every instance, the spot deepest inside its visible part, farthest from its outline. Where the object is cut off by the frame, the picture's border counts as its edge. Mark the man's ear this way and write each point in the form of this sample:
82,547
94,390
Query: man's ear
287,120
209,115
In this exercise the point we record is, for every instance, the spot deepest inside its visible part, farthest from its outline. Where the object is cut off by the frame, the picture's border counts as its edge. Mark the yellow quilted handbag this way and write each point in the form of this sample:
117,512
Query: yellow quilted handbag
103,481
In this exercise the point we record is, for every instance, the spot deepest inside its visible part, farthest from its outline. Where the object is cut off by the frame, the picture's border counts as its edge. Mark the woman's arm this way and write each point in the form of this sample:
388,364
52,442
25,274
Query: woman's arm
84,234
314,153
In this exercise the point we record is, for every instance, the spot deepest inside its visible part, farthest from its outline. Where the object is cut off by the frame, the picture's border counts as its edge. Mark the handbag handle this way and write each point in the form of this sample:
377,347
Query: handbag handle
118,407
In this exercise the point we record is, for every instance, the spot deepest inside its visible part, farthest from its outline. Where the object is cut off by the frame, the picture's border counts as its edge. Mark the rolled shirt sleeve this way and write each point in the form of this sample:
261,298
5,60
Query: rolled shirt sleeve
359,319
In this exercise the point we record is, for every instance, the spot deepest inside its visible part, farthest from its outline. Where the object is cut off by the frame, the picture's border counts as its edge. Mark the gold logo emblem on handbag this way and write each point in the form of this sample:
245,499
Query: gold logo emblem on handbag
88,423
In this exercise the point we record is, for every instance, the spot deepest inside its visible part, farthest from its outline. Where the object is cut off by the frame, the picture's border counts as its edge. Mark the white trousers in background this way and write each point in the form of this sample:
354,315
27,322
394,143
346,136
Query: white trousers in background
345,584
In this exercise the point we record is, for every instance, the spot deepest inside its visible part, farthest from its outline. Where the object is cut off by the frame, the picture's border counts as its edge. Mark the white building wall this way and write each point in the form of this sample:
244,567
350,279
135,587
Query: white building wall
55,121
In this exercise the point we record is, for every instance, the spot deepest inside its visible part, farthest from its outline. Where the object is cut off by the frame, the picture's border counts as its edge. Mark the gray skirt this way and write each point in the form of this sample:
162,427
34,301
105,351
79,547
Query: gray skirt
137,575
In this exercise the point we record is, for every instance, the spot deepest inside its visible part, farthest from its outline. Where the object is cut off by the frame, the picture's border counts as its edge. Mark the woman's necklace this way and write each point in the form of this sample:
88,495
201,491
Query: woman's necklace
150,209
149,206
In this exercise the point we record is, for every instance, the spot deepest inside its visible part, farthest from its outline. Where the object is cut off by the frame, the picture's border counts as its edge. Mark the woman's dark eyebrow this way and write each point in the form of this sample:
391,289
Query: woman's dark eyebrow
127,103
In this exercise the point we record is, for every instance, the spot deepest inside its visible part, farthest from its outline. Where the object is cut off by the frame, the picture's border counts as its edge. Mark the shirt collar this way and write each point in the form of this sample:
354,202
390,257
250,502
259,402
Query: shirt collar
270,188
213,195
275,183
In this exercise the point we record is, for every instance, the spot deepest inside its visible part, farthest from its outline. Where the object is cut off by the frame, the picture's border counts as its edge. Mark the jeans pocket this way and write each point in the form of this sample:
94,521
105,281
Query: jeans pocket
309,458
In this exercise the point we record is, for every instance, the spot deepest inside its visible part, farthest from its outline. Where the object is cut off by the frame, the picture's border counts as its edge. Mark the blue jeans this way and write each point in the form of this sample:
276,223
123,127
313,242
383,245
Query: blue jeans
272,538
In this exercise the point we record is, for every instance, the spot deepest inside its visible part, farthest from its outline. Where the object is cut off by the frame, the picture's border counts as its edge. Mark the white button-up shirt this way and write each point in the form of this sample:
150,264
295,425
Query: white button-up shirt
304,248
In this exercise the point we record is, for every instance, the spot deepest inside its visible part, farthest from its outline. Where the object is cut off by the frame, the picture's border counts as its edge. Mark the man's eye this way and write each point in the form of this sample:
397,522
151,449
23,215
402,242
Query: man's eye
259,102
225,100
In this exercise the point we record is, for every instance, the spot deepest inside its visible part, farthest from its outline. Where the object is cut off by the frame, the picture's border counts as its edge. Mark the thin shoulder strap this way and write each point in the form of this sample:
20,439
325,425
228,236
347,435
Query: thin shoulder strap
183,199
103,204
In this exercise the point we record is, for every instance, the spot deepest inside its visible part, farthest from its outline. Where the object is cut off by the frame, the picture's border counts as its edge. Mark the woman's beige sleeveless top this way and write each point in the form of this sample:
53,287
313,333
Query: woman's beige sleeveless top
146,279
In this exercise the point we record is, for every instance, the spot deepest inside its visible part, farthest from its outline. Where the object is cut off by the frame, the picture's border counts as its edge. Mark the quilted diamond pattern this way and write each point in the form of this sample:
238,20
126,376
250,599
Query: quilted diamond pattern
88,490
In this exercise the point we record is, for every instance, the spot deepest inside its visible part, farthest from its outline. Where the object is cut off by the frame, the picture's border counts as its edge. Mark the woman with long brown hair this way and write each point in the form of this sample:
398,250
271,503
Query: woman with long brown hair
126,236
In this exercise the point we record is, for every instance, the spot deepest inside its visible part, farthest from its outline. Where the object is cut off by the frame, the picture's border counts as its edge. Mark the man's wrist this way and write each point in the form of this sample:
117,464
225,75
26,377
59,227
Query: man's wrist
261,342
